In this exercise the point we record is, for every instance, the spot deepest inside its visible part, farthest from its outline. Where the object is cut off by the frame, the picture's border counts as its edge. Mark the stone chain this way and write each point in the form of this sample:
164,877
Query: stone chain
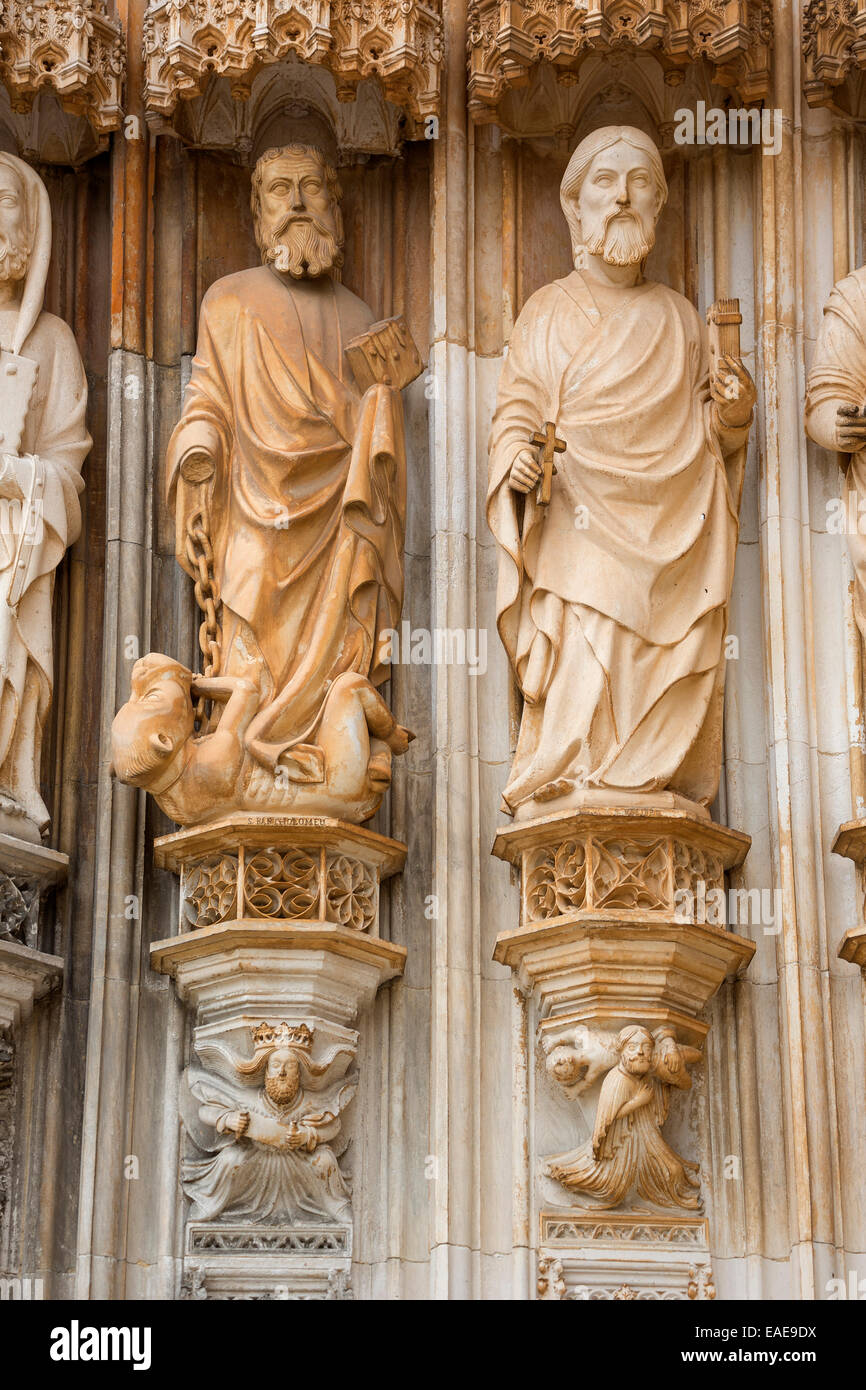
199,553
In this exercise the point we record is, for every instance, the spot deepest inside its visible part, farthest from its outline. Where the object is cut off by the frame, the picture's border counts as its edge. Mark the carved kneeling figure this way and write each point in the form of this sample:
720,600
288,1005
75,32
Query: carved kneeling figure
194,778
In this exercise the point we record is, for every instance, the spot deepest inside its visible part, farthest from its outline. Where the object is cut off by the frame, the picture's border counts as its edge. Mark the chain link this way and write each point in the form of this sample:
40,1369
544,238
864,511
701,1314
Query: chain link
199,554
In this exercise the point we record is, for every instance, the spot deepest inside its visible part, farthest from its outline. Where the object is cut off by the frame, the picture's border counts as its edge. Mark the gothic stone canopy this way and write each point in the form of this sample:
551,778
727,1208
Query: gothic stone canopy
834,44
76,49
398,41
508,37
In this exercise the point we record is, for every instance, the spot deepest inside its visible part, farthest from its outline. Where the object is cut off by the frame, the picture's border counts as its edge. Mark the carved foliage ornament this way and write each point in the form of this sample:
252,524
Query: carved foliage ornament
77,49
507,39
620,873
834,44
397,41
281,885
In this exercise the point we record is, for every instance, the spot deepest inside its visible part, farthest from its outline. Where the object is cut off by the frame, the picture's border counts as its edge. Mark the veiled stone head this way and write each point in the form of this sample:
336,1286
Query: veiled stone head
16,237
156,720
612,193
283,1076
295,201
636,1047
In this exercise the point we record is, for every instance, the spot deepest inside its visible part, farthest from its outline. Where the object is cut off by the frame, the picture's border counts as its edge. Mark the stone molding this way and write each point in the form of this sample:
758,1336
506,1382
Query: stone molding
76,49
732,37
279,868
585,1258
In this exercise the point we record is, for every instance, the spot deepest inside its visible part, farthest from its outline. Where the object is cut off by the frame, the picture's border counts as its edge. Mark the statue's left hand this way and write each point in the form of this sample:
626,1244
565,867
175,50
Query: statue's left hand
733,391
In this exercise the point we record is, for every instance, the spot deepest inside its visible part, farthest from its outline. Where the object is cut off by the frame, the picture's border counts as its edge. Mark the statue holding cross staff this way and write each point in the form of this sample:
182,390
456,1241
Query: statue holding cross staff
615,575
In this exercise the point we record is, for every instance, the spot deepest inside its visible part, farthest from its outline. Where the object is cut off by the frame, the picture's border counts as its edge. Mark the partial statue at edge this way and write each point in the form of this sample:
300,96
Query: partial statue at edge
43,443
287,477
836,410
615,575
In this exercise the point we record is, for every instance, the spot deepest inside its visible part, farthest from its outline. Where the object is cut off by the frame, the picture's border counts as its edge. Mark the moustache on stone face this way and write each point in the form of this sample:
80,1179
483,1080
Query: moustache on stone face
304,219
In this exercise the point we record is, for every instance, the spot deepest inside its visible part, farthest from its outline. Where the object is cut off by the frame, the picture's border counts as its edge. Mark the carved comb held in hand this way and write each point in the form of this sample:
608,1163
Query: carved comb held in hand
723,321
386,353
17,380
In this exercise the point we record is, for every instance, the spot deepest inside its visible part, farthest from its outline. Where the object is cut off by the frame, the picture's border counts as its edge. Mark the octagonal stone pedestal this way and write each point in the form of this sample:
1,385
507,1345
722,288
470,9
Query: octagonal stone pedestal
279,925
622,922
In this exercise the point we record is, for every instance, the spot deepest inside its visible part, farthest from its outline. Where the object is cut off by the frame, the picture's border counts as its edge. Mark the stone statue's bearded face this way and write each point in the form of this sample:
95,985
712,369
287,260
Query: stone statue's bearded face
297,222
155,722
618,205
637,1054
282,1076
14,239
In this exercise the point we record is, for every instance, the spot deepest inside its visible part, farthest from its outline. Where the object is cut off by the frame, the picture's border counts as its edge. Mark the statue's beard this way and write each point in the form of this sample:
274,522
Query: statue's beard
14,260
623,240
281,1089
303,248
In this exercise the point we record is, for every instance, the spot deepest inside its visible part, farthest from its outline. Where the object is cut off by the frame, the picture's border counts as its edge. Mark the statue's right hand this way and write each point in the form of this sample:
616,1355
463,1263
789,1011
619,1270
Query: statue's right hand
525,471
850,429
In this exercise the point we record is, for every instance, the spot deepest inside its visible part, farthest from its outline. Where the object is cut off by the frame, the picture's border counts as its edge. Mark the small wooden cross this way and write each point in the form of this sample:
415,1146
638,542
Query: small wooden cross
551,445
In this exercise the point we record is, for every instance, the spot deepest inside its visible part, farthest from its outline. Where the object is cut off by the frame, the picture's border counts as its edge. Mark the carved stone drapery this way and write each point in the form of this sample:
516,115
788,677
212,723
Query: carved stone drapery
75,48
506,41
834,44
397,41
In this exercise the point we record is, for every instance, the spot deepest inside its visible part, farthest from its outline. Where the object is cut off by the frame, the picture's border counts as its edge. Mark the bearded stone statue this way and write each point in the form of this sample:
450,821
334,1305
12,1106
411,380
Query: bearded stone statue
43,397
613,596
287,477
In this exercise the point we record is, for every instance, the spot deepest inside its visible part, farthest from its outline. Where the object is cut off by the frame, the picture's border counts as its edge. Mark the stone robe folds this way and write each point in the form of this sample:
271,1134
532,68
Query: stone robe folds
613,606
308,499
838,374
55,436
